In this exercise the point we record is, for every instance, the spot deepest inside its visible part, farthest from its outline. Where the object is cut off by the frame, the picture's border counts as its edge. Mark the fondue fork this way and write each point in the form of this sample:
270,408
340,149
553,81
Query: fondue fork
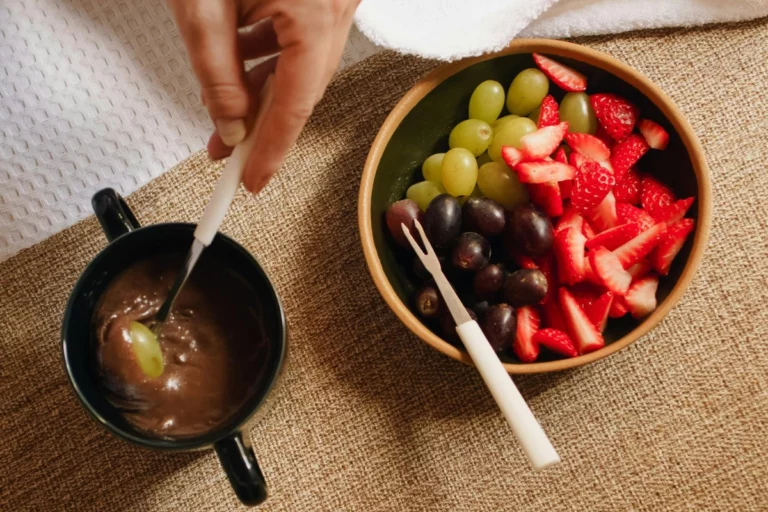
524,425
217,207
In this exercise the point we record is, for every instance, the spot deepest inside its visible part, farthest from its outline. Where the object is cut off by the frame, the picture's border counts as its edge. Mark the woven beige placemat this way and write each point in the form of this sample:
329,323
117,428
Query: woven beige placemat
370,419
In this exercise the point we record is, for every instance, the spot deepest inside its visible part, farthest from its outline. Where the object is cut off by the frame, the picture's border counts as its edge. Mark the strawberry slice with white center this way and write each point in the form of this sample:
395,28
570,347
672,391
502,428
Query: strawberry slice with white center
656,196
547,197
628,213
544,141
549,112
626,153
599,309
588,231
641,296
511,156
568,79
577,159
527,324
604,216
542,171
557,341
570,219
673,212
614,238
590,186
640,246
618,307
610,271
630,188
670,244
640,269
583,332
589,146
552,316
616,115
569,253
656,136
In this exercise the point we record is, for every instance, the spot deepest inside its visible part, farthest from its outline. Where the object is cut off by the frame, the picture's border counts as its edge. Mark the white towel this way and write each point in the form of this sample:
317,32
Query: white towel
453,29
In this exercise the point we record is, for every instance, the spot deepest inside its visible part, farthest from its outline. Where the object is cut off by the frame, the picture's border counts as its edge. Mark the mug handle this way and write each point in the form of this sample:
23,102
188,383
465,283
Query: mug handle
114,215
239,462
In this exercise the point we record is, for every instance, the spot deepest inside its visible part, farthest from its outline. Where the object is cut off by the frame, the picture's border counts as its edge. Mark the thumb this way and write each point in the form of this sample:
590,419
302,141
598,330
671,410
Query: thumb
209,30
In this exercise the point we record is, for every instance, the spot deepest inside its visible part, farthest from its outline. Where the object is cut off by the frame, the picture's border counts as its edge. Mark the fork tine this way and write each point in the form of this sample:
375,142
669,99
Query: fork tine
424,239
413,242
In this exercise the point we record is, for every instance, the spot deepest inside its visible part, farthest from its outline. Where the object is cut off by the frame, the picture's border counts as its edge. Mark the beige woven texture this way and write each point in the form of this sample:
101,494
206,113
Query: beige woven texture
369,418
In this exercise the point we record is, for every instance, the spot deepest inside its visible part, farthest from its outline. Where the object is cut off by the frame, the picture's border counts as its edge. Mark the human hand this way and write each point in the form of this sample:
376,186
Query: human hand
308,37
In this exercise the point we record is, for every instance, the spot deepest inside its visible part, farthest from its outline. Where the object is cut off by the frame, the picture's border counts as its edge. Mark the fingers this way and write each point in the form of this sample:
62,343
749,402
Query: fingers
258,41
209,30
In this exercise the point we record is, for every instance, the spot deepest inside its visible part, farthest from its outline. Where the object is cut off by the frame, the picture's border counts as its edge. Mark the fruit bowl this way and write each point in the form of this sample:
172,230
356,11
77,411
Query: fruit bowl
419,126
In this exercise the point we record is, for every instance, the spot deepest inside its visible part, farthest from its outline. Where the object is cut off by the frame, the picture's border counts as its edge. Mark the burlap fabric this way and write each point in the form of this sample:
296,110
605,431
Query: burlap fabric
368,418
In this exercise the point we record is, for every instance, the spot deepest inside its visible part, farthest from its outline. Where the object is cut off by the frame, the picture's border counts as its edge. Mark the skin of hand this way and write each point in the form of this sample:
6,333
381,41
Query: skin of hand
304,39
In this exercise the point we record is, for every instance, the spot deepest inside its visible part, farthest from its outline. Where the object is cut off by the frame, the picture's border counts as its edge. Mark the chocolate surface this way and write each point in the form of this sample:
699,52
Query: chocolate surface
214,346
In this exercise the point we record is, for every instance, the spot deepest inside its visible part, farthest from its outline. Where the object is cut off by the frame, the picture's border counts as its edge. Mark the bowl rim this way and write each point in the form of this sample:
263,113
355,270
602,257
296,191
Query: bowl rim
588,56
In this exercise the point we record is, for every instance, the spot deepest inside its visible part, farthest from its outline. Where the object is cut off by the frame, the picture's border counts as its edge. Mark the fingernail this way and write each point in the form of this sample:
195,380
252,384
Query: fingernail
231,131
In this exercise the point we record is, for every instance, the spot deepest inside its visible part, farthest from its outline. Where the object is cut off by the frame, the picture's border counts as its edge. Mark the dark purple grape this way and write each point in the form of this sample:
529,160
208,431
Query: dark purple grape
525,287
402,212
488,281
481,308
448,326
484,216
427,301
499,326
442,220
529,231
419,269
470,252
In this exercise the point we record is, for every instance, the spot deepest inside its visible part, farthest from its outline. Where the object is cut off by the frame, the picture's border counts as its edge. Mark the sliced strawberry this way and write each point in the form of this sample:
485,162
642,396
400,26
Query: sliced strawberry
523,261
604,217
601,134
588,230
580,327
569,253
618,307
511,155
641,296
557,341
549,112
640,269
598,311
589,146
560,156
589,274
674,212
609,270
541,171
614,238
552,316
547,197
570,219
628,213
527,324
548,267
566,78
585,294
590,186
656,136
617,115
626,153
577,159
544,141
630,188
656,195
670,244
640,246
566,187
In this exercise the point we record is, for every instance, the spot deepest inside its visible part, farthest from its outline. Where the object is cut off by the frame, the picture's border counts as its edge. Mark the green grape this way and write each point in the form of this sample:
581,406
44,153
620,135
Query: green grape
475,193
534,116
497,124
431,168
147,350
459,172
424,192
498,182
472,134
487,101
483,159
510,135
526,92
577,110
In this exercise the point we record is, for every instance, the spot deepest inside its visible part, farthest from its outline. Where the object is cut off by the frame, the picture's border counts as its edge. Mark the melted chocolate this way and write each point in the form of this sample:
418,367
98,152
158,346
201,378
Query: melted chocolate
215,350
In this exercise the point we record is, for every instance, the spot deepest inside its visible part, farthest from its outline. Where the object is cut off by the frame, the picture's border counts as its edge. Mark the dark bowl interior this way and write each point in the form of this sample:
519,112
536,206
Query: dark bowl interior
155,240
425,129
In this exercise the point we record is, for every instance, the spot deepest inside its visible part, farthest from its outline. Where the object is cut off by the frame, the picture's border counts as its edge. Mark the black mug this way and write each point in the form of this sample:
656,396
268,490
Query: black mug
129,242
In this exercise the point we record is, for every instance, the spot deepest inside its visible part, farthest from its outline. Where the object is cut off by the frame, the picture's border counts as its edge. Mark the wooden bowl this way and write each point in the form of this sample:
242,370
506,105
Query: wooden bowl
419,126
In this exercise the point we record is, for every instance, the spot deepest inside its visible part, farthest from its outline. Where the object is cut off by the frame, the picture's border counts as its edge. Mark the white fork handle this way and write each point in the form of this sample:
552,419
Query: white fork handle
226,187
524,425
